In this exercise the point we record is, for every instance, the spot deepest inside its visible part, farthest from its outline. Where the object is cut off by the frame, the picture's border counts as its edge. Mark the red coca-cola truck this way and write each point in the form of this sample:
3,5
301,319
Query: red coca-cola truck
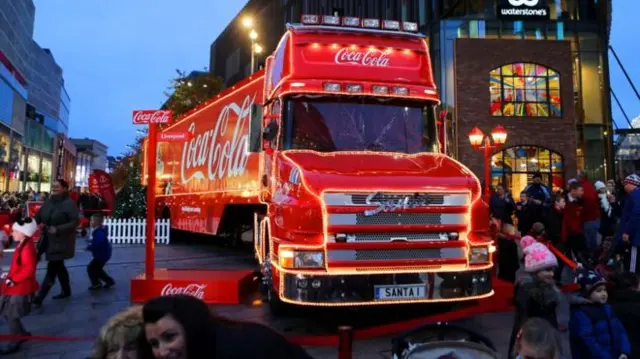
331,158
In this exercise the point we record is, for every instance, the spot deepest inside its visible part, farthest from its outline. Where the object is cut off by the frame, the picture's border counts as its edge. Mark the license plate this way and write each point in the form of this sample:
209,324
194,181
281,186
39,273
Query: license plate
405,291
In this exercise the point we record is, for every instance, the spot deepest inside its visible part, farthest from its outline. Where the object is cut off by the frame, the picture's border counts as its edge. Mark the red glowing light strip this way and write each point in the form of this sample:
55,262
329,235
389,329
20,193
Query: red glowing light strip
396,245
394,228
398,263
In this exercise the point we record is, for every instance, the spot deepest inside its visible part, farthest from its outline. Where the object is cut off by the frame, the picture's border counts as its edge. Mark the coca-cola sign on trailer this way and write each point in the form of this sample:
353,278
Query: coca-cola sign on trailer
196,290
370,57
218,152
145,117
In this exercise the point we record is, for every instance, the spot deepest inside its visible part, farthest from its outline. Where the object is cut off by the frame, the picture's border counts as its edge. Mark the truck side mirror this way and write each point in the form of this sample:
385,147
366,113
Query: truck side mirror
255,129
271,131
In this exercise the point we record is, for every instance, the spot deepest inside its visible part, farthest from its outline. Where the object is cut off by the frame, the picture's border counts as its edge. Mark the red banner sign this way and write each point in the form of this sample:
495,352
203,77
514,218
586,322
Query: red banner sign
174,136
100,183
145,117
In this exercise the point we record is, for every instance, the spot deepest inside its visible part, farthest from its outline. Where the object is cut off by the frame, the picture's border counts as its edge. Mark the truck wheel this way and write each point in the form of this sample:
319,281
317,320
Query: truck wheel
276,306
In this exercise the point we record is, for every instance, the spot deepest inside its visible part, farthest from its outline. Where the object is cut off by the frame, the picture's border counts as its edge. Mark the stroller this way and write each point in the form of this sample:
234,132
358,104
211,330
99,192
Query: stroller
442,341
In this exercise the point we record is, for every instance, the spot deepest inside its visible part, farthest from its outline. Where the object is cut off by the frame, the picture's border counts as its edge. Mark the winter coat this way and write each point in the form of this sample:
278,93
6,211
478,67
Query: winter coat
528,214
502,208
591,201
572,221
539,192
534,299
22,271
626,306
61,213
100,246
630,221
553,226
252,340
596,333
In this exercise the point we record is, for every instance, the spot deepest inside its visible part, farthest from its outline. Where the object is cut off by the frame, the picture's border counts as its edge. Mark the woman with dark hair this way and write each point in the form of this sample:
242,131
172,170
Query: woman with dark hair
59,217
183,327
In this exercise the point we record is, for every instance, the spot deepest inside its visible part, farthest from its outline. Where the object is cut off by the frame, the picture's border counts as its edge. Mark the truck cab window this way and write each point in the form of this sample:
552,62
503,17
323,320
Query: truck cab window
350,124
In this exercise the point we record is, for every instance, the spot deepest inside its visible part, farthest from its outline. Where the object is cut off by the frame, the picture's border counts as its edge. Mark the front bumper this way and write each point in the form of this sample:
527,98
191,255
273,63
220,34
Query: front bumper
365,289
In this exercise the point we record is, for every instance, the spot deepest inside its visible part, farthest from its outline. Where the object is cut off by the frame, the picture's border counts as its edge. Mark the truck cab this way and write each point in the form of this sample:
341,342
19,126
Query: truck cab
362,206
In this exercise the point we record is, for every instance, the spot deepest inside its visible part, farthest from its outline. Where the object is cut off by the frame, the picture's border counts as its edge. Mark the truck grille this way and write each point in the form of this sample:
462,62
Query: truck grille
395,254
360,199
390,237
392,218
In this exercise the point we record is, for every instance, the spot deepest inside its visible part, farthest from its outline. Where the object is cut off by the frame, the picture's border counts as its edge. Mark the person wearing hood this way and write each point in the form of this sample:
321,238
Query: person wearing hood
608,210
594,330
59,217
629,229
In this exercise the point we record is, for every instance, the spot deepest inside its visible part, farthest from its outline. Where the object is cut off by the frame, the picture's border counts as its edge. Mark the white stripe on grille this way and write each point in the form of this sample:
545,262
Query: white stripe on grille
347,199
391,218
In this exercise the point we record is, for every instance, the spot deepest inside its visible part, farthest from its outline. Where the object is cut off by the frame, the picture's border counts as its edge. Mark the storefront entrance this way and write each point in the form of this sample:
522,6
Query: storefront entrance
515,166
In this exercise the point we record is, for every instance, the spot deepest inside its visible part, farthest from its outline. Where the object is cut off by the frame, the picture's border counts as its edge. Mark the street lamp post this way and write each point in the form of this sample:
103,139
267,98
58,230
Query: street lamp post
253,35
479,141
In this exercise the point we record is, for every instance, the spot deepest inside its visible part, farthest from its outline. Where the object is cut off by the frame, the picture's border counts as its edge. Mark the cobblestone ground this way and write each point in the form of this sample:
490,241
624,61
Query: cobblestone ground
85,312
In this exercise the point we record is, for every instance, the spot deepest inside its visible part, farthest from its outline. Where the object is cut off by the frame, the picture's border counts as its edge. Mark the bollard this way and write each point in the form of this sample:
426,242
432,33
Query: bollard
345,342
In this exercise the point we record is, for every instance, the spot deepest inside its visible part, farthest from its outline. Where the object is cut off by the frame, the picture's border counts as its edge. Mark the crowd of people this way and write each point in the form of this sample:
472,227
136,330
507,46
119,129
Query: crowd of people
589,232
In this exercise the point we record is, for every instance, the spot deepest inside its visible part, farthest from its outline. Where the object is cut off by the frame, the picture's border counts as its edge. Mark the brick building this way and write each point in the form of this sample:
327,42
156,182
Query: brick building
539,70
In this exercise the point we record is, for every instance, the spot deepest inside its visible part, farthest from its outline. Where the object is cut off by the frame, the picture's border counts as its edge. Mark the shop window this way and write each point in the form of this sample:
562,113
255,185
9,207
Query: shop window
515,167
525,90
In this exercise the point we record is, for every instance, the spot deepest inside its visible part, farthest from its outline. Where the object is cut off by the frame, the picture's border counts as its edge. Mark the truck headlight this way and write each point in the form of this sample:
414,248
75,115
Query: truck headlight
479,255
301,259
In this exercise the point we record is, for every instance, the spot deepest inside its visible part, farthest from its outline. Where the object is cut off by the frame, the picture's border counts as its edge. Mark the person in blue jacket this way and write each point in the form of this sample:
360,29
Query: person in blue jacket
629,229
100,248
594,330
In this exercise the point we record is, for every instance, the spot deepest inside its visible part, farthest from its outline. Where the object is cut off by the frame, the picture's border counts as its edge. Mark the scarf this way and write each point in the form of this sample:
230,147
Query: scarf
604,204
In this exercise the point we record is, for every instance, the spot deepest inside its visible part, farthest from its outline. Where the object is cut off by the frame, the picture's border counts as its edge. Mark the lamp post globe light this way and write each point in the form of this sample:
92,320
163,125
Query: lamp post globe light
480,141
248,24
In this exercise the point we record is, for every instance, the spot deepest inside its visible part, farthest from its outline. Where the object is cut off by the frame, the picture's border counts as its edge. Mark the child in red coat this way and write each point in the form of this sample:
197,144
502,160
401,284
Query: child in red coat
20,283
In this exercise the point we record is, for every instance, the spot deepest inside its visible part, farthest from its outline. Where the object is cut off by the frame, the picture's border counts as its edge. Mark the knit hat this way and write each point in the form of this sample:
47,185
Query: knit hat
632,179
26,225
538,257
526,241
589,280
599,185
570,181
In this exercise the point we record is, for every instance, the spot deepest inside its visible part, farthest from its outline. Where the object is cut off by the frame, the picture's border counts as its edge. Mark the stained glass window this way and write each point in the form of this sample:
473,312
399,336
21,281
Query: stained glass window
525,90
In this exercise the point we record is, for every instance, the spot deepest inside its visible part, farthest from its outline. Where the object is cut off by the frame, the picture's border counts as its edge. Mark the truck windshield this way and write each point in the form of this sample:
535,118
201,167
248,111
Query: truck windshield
348,124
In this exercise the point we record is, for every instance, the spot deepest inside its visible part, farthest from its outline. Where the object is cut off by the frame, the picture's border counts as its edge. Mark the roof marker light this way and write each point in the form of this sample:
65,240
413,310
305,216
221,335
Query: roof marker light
353,88
410,26
332,87
380,89
391,25
331,20
400,91
310,19
350,21
371,23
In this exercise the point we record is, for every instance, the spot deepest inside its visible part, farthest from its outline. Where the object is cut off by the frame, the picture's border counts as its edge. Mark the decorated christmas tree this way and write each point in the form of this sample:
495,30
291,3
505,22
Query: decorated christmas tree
131,199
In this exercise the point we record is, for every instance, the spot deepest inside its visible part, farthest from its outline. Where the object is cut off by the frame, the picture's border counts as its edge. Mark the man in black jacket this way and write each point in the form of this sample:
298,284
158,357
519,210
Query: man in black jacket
59,217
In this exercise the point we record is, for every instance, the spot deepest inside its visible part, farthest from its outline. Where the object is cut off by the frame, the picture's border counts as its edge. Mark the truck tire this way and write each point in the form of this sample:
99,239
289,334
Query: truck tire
277,307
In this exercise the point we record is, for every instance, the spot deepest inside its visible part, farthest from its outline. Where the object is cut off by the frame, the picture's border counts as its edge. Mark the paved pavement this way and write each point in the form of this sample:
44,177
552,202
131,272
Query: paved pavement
84,313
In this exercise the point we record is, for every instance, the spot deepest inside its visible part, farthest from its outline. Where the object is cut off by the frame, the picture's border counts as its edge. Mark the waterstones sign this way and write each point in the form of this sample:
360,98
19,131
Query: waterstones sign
523,9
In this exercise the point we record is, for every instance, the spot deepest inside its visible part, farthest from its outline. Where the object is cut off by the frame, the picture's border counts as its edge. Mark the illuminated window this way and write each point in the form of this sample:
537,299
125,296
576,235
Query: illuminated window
525,90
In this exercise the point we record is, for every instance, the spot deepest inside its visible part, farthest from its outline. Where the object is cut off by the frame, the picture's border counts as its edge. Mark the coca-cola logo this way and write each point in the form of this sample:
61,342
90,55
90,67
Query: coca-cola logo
373,58
213,152
144,117
195,290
